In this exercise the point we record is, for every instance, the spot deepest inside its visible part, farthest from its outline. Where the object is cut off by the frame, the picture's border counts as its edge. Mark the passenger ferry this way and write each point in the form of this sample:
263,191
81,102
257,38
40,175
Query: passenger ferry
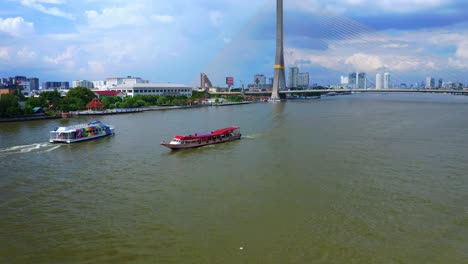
202,139
76,133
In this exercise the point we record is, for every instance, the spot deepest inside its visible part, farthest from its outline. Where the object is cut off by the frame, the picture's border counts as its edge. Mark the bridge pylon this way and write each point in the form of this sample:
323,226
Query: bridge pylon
279,80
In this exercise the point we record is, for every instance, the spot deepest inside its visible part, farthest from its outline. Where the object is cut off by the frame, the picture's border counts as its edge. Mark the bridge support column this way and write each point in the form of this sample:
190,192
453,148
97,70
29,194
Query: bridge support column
279,80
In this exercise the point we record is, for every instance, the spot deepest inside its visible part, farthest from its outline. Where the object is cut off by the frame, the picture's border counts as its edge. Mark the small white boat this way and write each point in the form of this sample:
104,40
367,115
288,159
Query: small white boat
76,133
202,139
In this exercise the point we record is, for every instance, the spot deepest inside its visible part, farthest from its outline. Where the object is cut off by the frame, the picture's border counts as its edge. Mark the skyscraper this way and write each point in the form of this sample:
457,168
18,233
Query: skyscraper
430,82
378,81
386,80
303,80
292,77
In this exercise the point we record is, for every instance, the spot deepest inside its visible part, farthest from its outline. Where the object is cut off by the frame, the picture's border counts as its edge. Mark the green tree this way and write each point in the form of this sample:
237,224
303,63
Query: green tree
9,106
32,102
110,101
72,104
53,99
163,100
82,93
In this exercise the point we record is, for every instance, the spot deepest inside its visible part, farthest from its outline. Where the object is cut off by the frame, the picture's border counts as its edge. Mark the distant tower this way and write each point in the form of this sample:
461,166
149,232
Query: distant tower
279,80
386,82
378,81
205,82
292,77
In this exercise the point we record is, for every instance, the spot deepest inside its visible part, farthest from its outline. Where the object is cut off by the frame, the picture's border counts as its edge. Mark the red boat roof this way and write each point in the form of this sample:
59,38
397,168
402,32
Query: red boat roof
218,132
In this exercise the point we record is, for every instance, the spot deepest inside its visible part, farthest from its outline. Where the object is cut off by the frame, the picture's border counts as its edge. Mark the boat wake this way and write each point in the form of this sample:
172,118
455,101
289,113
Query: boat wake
250,136
32,148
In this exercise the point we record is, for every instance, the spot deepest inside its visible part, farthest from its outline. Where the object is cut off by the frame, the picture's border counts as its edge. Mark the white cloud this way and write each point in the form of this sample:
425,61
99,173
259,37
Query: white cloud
163,18
462,50
54,11
64,59
16,26
395,46
115,16
365,62
26,54
4,53
216,18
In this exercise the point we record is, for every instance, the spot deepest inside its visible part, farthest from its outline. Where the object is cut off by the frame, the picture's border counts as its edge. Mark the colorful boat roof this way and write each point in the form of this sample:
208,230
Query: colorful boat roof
217,132
90,125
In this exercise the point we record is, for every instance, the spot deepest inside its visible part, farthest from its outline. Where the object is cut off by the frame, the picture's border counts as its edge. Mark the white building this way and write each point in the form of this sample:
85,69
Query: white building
100,85
112,82
154,89
344,81
83,83
430,82
26,87
378,81
386,83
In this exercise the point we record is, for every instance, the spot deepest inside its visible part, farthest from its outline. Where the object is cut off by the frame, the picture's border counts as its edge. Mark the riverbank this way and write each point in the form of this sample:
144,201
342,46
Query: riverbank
121,111
29,118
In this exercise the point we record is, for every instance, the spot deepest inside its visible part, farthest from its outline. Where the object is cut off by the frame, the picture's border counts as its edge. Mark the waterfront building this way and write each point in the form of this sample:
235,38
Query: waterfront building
34,83
114,81
303,80
205,82
101,85
55,85
344,81
83,83
270,80
357,80
378,81
169,89
292,77
387,81
430,82
26,87
259,79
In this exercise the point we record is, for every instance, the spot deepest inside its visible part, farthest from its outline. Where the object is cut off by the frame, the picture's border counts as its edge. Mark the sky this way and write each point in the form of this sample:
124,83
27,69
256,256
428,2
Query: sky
174,41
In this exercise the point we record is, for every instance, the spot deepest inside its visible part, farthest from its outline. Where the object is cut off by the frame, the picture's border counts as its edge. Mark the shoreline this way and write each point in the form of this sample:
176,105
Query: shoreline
119,111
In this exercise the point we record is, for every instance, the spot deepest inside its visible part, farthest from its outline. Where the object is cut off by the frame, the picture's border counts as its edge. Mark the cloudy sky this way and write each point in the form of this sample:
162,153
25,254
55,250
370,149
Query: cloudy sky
173,41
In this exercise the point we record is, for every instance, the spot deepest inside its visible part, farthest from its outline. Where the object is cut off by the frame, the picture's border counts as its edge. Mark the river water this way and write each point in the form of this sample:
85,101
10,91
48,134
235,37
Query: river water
362,178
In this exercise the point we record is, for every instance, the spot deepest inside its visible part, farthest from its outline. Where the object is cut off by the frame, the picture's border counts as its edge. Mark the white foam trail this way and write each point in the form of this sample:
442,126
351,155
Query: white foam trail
35,147
53,148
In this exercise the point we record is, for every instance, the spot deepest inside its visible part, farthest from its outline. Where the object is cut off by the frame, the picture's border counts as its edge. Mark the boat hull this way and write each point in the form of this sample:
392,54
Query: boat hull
201,144
69,141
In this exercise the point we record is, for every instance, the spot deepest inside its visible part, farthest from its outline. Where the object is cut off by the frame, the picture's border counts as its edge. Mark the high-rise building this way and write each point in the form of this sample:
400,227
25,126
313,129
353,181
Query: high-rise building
387,80
357,80
83,83
430,82
303,80
34,83
55,85
378,81
205,83
441,82
362,81
259,79
292,77
344,81
101,85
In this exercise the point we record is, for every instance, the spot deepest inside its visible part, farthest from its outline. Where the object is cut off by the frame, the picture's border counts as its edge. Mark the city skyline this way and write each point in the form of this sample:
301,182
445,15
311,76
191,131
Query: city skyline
175,41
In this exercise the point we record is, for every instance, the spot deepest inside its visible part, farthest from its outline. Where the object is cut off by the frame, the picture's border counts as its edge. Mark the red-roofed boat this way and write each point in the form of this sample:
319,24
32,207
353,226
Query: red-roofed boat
202,139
